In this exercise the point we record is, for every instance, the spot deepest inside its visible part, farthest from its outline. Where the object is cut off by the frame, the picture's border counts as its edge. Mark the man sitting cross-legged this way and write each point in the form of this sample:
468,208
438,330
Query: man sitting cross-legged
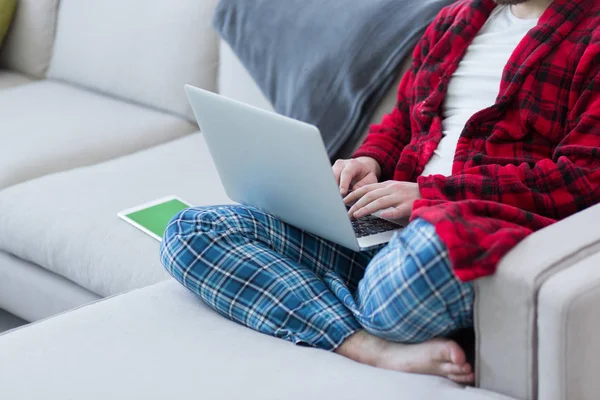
496,134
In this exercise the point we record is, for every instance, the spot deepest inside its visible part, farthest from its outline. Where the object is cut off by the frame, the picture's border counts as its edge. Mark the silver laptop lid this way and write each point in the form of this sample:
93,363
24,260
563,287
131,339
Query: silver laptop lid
273,163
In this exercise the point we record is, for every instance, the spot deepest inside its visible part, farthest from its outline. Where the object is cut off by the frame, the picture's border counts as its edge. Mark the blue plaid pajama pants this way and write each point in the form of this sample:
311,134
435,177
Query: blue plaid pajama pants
277,279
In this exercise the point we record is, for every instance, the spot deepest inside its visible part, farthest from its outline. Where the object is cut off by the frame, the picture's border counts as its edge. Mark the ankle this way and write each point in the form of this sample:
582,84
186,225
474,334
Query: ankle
363,348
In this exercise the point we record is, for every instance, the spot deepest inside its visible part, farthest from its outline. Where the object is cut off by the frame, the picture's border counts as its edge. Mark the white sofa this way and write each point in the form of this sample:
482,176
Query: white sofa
100,101
93,120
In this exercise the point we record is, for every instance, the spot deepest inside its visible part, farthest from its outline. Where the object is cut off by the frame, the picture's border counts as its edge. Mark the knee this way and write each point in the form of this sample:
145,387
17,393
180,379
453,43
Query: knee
404,312
198,220
389,315
409,292
182,224
187,237
202,221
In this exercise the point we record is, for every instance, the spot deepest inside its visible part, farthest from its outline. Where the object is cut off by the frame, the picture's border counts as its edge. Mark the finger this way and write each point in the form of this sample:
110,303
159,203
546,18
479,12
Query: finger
352,197
378,204
358,193
371,193
398,212
337,170
360,197
346,177
367,180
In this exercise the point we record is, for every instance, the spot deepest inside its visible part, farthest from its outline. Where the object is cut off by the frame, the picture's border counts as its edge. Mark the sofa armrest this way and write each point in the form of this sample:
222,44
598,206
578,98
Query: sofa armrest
507,303
569,327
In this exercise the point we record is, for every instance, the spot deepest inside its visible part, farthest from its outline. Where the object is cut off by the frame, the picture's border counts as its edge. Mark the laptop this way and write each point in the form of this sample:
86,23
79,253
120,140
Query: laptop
280,165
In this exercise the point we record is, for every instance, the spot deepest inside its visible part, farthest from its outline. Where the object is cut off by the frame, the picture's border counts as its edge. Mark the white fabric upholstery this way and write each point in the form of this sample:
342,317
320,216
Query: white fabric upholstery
506,303
28,46
140,51
68,222
49,126
162,343
569,333
10,78
235,82
9,321
33,293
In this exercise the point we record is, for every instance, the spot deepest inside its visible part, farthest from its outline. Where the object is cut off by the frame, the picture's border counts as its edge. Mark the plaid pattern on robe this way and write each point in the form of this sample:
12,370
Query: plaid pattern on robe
527,161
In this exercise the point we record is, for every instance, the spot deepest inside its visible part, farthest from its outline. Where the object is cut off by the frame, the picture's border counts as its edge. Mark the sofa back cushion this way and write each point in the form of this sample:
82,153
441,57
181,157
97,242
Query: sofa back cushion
144,52
28,46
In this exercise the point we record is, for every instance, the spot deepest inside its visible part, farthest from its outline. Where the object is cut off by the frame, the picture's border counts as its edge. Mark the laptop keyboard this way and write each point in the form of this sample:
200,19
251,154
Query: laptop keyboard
371,225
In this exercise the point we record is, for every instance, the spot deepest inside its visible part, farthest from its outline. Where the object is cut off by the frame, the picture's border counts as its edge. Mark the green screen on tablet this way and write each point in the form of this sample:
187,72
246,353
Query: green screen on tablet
154,217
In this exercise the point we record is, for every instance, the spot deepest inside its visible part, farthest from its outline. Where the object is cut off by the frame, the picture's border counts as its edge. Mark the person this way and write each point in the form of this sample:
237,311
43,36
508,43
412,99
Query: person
496,134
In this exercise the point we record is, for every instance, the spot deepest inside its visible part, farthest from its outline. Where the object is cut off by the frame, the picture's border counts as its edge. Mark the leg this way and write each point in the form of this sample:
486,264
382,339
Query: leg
265,274
409,294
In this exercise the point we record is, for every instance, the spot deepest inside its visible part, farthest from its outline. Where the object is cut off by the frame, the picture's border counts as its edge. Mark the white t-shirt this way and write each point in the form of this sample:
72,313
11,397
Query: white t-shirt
476,83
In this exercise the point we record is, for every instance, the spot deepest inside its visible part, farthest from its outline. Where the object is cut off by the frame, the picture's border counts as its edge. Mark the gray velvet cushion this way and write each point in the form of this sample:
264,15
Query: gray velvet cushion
327,63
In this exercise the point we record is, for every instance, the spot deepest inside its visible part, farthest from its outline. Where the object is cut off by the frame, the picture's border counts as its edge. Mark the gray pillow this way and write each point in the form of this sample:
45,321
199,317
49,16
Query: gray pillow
325,62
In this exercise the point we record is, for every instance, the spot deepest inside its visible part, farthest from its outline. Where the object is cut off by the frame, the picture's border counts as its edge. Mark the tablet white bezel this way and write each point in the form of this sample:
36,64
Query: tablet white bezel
124,214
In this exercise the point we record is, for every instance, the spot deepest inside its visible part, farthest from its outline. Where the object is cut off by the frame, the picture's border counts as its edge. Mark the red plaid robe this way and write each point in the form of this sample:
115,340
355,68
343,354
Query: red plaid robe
529,160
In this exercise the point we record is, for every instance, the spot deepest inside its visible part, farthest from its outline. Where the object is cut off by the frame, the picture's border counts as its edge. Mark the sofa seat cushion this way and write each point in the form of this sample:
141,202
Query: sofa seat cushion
68,222
10,78
49,126
162,343
33,293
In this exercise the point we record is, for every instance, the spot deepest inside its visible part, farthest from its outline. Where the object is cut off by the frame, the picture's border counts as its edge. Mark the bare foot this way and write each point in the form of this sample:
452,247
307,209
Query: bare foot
437,357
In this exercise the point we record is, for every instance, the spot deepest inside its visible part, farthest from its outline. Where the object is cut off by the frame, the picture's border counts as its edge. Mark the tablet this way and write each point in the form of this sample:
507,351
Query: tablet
153,217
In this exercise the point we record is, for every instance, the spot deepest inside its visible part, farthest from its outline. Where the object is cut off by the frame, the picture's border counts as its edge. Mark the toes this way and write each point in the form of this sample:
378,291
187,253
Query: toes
450,369
466,369
457,354
464,379
448,350
453,369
